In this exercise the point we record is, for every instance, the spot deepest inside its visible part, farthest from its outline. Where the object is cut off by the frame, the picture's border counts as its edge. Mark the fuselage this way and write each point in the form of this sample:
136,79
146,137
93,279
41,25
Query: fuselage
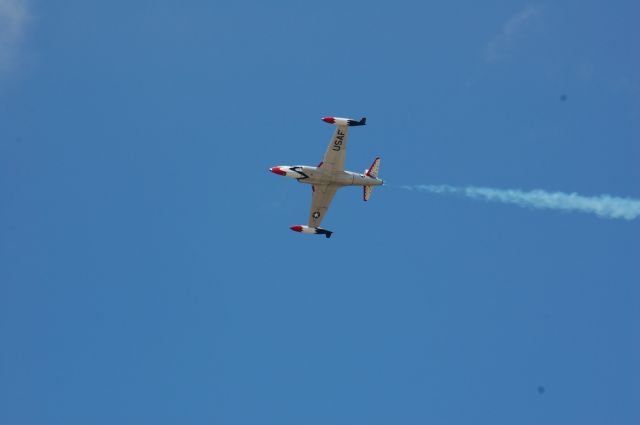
319,175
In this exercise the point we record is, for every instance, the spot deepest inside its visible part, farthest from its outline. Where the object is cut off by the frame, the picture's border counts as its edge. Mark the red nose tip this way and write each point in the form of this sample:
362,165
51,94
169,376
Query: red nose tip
330,120
296,228
278,171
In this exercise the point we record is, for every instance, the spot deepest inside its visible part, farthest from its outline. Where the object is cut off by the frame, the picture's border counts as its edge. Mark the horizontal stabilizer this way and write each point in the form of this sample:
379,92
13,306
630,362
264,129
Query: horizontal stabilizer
367,192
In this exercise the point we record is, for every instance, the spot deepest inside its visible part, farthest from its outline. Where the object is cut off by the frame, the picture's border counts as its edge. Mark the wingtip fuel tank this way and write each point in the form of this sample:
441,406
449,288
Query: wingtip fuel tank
311,230
344,121
278,170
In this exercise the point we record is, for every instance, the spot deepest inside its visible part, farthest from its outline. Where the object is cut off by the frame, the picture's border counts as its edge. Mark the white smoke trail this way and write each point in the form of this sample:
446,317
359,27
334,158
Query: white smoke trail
605,206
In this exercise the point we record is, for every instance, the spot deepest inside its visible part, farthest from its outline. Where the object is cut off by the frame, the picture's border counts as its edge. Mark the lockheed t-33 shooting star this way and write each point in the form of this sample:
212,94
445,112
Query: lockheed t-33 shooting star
330,175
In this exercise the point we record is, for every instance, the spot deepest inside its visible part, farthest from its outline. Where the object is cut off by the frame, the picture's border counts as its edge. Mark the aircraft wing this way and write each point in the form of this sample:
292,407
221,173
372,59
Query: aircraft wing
337,149
322,197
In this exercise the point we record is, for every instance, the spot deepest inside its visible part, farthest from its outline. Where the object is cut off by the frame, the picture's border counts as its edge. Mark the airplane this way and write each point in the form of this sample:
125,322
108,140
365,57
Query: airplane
330,175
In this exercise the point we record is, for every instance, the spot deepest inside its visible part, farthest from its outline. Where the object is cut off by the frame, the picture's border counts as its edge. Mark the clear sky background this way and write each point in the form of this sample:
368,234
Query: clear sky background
147,272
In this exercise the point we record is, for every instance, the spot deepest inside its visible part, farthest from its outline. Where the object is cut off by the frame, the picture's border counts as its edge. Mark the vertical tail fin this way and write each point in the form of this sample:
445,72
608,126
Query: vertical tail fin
375,167
371,172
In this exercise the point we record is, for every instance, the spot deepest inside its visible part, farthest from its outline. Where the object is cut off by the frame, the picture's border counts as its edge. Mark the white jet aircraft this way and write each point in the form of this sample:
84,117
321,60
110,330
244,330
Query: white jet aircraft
329,176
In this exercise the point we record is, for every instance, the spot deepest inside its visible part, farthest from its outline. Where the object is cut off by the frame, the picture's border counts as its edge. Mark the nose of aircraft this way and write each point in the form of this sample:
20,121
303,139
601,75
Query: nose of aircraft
278,171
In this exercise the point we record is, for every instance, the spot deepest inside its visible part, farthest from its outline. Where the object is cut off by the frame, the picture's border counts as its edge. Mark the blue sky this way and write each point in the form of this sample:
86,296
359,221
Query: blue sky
148,275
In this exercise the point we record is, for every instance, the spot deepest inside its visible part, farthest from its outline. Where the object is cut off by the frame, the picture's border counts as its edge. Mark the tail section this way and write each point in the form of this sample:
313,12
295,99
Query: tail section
367,192
375,167
371,172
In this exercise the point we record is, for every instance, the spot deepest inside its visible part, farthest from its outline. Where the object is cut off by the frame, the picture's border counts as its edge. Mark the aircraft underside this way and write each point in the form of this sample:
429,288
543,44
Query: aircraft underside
330,175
